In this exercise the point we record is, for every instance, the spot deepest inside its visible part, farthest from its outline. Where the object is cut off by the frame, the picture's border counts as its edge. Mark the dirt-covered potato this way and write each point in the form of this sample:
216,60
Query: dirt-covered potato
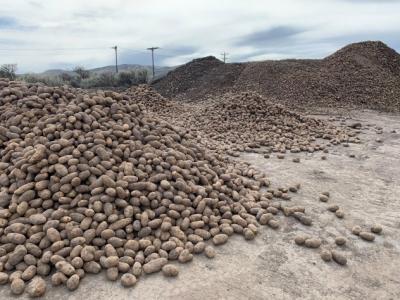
366,235
340,241
339,257
326,255
209,252
312,243
170,270
376,228
128,280
37,287
356,230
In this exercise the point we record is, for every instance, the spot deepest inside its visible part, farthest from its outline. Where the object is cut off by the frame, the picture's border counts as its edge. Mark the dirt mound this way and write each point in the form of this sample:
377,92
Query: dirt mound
361,75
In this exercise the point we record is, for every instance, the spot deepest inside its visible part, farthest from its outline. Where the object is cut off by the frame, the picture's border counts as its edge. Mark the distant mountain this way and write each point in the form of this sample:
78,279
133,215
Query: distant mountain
160,71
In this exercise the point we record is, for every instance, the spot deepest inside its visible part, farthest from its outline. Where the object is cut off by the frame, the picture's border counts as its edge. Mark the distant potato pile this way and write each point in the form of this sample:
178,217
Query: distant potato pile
89,182
246,122
360,75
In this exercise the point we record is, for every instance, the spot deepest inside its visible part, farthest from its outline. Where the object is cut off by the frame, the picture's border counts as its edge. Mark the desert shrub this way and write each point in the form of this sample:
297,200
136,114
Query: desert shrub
47,80
8,71
82,72
127,78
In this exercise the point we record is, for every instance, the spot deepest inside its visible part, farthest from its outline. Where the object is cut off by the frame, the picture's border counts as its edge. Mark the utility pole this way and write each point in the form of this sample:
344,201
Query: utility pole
152,56
224,56
116,58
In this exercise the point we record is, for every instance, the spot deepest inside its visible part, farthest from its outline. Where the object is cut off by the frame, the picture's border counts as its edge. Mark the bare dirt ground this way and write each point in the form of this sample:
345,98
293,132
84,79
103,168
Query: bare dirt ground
366,186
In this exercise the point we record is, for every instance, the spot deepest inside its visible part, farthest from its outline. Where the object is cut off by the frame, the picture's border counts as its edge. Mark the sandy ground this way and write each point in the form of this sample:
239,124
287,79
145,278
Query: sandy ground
366,186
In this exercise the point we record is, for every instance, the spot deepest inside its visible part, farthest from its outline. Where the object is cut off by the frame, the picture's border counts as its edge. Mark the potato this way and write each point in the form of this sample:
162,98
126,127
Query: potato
376,228
340,241
185,256
73,282
170,270
323,198
326,255
154,265
37,287
220,239
368,236
339,213
58,278
128,280
356,230
18,286
312,243
112,273
3,278
209,252
339,257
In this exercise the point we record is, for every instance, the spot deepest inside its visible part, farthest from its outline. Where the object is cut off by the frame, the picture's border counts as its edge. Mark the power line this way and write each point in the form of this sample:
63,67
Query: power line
152,56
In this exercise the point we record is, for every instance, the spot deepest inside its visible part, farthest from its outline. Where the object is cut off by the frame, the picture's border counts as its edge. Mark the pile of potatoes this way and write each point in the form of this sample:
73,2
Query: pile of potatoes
236,122
88,181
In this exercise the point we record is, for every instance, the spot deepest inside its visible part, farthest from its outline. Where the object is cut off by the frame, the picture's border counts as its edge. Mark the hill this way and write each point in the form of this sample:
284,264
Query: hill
362,75
160,71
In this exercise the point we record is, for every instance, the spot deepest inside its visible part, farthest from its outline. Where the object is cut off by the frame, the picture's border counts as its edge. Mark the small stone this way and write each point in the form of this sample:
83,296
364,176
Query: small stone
296,160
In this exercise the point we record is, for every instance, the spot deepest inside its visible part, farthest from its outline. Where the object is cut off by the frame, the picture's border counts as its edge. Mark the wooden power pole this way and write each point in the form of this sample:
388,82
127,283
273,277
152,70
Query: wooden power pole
116,58
224,56
152,57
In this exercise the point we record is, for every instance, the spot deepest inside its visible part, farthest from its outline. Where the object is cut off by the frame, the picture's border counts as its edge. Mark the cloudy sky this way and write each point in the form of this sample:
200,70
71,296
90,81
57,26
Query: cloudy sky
44,34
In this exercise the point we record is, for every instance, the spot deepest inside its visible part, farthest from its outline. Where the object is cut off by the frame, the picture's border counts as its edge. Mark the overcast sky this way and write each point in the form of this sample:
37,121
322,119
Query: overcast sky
44,34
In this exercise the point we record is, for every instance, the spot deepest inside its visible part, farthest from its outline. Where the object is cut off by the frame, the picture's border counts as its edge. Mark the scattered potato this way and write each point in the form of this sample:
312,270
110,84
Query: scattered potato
339,257
312,243
376,228
170,270
340,241
326,255
128,280
368,236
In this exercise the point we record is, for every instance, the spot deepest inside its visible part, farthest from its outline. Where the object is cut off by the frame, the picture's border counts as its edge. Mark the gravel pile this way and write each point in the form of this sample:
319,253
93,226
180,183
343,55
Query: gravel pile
361,75
91,182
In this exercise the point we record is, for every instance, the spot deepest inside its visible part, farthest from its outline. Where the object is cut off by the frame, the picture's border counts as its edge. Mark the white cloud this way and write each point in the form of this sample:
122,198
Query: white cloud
201,27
